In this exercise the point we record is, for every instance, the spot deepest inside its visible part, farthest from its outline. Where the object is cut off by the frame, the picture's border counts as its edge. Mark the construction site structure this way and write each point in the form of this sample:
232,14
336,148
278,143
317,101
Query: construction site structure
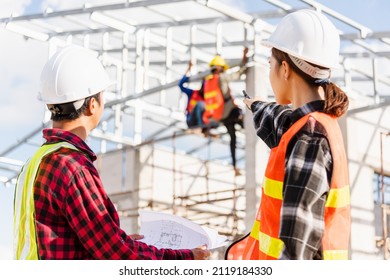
147,157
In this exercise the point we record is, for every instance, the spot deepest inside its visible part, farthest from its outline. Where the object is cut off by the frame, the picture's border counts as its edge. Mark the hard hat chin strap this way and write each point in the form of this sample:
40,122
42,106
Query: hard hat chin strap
312,71
66,108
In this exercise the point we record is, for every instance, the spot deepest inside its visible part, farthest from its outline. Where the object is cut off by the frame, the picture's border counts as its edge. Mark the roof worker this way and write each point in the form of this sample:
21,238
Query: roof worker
195,102
304,211
61,208
219,102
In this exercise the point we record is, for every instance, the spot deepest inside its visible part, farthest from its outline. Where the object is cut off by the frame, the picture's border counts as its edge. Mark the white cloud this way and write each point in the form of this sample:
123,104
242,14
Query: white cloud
6,252
70,4
15,7
6,218
20,69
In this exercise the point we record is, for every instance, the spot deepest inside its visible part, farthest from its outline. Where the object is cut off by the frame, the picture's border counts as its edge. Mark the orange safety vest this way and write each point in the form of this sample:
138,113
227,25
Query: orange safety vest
263,241
195,98
213,99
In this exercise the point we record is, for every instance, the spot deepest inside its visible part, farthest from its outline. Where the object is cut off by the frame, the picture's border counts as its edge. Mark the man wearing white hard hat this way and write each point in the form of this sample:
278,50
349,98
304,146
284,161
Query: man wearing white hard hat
61,208
304,211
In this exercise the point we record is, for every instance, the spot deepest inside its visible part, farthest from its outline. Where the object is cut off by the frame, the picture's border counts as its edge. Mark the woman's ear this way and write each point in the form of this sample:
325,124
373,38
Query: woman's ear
286,70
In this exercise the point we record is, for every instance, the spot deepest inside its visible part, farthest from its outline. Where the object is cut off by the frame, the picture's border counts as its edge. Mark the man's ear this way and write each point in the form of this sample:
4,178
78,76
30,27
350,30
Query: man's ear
92,106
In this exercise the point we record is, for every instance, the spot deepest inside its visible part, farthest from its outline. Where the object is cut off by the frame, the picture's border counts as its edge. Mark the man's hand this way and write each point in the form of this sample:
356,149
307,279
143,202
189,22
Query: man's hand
201,253
244,57
246,49
189,67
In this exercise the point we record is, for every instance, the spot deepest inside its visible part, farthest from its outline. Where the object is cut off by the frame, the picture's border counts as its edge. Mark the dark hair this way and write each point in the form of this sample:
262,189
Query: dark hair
56,114
336,101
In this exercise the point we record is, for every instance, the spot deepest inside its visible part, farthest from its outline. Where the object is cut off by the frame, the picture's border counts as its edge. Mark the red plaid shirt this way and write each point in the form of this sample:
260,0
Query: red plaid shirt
75,219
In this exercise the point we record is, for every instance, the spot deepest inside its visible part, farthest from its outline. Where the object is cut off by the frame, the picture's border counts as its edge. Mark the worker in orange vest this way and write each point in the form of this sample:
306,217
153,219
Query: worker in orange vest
305,201
195,101
219,102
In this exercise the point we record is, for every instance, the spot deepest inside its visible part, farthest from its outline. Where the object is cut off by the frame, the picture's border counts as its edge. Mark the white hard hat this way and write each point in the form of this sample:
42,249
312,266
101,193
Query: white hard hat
308,35
71,74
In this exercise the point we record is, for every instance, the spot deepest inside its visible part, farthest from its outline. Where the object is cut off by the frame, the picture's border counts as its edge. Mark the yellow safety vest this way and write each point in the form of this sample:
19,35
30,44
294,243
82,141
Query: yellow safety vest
25,238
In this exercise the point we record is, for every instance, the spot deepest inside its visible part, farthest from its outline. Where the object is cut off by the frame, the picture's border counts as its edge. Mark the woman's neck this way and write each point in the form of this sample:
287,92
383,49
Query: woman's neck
303,93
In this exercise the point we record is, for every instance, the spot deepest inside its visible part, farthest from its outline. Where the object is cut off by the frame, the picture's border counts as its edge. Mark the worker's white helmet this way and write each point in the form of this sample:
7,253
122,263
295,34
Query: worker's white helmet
73,73
308,35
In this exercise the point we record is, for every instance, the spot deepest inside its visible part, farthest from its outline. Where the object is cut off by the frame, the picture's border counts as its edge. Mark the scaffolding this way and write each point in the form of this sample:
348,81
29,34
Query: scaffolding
146,46
164,180
385,206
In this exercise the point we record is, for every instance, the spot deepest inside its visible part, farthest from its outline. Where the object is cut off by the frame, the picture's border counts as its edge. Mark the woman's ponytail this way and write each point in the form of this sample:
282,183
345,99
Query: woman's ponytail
336,101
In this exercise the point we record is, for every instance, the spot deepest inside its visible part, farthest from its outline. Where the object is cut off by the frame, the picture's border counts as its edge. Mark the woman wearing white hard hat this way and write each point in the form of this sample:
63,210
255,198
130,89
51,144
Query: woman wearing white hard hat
304,211
61,208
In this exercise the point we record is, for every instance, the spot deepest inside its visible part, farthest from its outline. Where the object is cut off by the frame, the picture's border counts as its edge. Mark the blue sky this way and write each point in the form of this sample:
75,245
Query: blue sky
374,14
21,62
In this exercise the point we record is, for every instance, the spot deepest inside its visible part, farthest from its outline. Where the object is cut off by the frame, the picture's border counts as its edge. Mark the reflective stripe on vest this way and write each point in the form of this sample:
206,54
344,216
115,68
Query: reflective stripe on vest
263,241
213,99
25,239
195,98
